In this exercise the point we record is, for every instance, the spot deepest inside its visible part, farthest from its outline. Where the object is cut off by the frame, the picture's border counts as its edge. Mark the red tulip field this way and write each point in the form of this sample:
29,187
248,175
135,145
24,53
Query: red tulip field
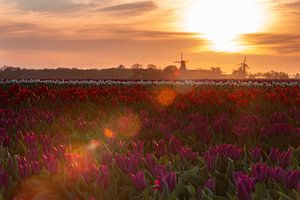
115,140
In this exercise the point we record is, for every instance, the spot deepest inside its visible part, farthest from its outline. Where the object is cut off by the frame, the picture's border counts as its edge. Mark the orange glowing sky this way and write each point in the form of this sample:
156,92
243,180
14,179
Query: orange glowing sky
106,33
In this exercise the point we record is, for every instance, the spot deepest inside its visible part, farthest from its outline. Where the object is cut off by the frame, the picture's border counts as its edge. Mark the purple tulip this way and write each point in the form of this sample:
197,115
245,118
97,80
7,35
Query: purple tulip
278,117
166,131
285,158
276,173
29,139
51,163
128,164
155,169
198,125
250,120
106,158
255,153
274,154
138,180
199,192
174,145
282,158
58,151
241,131
24,167
220,124
168,180
89,172
282,129
291,178
188,154
227,150
245,185
4,138
160,171
243,190
45,141
4,178
210,184
33,153
171,180
159,148
210,161
102,178
138,148
150,162
260,172
122,145
35,167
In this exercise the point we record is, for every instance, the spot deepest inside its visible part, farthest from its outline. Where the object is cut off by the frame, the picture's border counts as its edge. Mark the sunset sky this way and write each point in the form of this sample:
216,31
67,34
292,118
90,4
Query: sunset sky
106,33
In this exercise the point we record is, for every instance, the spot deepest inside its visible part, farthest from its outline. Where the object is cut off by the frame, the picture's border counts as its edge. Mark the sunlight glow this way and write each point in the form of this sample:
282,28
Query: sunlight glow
222,22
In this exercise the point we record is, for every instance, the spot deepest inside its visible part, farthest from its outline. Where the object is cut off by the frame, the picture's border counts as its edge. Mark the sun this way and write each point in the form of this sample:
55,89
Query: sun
222,22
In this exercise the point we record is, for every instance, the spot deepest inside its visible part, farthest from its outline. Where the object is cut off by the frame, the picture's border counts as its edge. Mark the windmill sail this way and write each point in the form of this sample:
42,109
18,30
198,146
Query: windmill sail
182,62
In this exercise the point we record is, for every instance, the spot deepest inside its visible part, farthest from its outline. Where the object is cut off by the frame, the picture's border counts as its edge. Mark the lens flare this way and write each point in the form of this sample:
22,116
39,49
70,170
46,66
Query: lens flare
93,145
36,188
108,133
128,125
166,97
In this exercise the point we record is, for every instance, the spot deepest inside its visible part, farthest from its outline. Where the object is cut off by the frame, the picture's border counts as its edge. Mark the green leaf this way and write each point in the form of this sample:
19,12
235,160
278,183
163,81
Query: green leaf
230,166
297,194
220,198
165,195
261,190
284,196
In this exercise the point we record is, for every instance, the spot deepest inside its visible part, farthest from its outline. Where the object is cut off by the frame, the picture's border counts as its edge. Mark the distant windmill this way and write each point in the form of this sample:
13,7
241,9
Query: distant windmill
243,66
182,63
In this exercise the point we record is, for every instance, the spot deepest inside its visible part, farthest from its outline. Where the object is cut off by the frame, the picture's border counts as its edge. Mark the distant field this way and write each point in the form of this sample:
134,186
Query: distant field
105,139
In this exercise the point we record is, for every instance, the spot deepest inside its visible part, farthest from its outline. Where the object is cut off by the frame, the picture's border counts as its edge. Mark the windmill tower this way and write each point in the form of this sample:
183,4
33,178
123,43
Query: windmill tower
243,66
182,62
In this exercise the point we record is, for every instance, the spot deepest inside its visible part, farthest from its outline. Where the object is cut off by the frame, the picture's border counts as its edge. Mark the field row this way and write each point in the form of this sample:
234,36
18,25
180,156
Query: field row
143,141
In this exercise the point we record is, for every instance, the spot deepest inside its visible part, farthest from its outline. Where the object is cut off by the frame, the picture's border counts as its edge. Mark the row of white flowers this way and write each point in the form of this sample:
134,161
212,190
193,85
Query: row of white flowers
250,83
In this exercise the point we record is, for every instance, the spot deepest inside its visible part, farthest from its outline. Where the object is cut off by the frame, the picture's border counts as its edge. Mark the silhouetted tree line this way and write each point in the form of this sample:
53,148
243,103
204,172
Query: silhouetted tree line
136,71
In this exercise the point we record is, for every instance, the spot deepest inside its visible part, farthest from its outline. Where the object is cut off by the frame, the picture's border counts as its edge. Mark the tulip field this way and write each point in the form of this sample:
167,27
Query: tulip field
140,140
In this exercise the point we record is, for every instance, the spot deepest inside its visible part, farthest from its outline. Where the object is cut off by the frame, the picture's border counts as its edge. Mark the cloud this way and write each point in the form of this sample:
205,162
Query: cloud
59,43
139,34
290,9
19,27
292,5
130,8
51,5
279,43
